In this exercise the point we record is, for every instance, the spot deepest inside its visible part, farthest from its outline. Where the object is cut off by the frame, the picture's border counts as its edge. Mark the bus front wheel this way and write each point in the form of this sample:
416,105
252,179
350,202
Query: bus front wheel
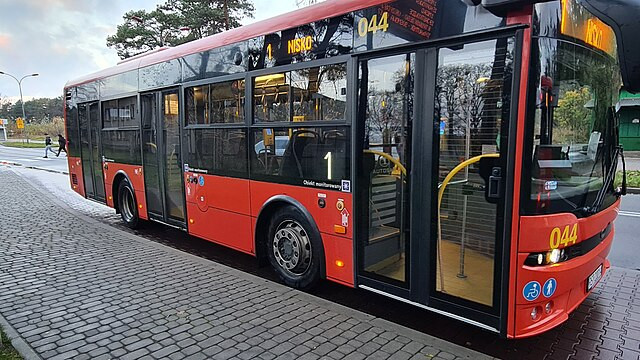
293,248
127,204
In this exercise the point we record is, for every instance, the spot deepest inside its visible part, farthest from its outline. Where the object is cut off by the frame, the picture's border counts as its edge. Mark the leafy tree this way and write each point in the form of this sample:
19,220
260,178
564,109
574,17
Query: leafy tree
144,31
572,120
37,110
208,17
176,22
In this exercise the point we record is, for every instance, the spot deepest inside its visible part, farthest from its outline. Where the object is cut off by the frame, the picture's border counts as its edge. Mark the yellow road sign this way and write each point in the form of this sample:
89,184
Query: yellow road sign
20,123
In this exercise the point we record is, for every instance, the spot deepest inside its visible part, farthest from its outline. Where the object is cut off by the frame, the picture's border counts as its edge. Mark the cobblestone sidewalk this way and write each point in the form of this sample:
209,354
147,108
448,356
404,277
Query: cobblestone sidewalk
72,287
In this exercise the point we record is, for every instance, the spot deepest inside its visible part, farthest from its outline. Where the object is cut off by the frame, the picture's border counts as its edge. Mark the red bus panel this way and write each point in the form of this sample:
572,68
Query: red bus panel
134,173
218,210
75,175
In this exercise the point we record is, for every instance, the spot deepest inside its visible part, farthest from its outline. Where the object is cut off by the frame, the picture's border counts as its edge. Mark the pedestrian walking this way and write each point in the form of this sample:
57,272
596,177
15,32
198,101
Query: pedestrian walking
48,146
62,145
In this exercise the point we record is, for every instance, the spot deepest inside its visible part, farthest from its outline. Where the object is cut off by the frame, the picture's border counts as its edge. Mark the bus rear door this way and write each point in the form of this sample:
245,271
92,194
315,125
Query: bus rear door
90,127
162,157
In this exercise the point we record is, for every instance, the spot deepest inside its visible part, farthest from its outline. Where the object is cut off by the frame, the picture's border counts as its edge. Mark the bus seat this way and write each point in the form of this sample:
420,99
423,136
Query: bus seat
292,159
234,152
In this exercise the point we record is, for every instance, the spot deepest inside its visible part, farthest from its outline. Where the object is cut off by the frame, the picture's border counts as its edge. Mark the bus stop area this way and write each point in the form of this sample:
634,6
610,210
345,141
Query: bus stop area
72,287
75,287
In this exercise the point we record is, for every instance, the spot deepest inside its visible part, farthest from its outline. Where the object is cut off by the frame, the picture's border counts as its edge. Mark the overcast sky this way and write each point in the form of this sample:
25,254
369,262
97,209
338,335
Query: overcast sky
65,39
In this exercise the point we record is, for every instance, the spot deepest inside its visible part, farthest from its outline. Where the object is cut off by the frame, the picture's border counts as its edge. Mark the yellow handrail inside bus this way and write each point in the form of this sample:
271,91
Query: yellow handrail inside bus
459,168
395,161
446,181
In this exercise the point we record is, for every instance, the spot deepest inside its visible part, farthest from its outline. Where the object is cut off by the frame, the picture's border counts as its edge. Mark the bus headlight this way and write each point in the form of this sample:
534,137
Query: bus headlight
546,258
555,256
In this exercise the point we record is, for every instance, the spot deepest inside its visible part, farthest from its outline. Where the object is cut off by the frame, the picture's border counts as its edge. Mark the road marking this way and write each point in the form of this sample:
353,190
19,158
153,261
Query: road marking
28,160
629,213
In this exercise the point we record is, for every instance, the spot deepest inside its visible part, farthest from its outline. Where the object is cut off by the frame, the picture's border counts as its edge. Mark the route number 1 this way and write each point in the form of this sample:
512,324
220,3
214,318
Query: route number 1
328,158
374,24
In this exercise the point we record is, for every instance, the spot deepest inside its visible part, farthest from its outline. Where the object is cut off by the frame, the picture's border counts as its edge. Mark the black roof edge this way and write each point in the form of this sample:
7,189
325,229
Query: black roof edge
623,16
502,7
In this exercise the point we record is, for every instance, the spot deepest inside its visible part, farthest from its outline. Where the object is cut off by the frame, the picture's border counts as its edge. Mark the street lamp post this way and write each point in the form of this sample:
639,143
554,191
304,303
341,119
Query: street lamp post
20,87
24,117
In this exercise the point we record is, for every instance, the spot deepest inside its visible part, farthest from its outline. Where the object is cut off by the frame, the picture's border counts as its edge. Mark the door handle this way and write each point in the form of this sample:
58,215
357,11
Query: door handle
495,184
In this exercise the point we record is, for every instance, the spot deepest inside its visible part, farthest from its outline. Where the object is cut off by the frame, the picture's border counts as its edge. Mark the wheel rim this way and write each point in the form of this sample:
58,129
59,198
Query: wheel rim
127,205
292,247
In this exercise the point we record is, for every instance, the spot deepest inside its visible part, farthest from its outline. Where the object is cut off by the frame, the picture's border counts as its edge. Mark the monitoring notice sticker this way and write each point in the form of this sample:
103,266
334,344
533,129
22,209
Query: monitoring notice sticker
321,184
346,186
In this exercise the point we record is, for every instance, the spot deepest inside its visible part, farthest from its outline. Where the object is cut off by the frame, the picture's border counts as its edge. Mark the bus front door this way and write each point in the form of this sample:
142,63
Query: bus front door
431,137
162,157
89,121
472,111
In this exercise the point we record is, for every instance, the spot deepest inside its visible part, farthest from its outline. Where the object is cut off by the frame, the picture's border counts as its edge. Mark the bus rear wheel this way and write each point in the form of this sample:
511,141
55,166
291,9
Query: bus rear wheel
293,249
127,204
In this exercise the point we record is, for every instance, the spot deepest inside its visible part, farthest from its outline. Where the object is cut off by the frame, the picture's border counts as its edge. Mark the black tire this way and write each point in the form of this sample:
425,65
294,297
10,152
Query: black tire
127,204
294,248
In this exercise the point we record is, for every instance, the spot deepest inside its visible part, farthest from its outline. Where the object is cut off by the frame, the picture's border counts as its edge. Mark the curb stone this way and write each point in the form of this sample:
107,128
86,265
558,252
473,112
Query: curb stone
633,191
48,170
18,343
11,163
282,290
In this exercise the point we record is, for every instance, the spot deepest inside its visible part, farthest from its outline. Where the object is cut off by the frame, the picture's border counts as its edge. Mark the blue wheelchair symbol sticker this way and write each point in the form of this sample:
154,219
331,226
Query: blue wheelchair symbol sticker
549,287
531,291
201,180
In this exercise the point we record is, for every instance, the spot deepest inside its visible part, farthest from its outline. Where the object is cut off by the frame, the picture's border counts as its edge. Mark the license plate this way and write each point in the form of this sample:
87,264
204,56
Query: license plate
594,278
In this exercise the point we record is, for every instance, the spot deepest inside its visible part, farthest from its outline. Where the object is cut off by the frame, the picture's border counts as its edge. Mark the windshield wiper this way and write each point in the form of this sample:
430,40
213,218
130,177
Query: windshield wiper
608,181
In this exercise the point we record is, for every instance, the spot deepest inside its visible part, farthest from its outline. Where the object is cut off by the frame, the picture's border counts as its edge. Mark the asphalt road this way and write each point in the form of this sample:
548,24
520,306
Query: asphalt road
34,158
631,163
626,244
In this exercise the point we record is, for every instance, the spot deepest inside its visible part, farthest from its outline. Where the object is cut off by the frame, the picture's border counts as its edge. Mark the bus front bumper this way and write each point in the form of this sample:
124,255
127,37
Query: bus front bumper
571,278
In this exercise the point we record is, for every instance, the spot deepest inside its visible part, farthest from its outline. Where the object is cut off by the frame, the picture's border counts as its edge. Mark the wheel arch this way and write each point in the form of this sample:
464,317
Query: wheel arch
117,179
262,226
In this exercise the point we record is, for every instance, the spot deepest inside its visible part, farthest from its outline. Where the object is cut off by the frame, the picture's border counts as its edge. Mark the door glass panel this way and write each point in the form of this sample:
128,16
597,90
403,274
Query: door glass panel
173,163
85,150
472,107
94,120
149,110
384,200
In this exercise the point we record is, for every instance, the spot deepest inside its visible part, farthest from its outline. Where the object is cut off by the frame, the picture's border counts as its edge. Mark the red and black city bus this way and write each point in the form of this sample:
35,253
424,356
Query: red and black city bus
455,155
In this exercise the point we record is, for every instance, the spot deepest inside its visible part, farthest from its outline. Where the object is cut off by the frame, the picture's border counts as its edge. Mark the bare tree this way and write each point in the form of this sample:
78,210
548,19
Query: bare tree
463,90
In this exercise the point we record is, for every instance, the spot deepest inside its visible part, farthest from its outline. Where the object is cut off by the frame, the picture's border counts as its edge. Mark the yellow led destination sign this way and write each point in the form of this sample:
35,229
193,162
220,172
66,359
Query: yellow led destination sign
298,45
580,24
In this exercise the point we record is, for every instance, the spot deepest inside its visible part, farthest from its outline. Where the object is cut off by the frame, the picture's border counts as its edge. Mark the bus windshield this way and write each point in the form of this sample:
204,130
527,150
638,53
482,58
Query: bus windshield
574,134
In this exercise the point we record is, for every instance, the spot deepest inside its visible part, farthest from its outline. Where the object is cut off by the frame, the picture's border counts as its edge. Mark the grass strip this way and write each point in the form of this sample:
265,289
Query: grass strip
633,178
7,352
23,145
